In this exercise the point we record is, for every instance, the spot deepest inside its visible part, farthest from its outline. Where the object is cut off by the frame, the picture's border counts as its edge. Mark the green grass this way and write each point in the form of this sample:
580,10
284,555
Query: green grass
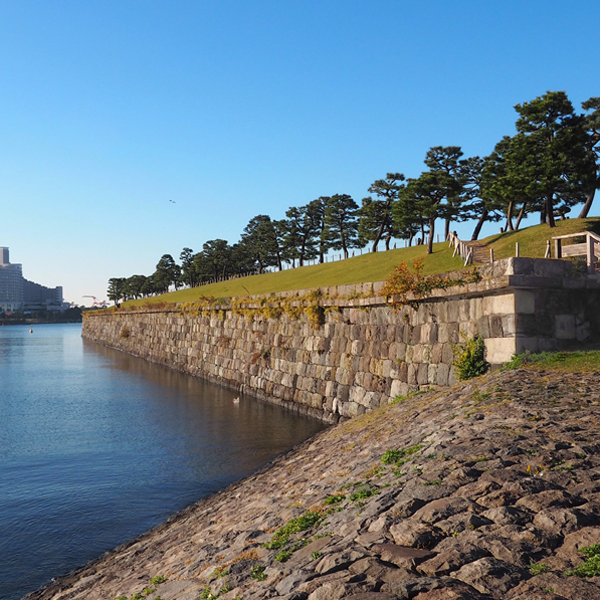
377,266
359,269
532,240
563,362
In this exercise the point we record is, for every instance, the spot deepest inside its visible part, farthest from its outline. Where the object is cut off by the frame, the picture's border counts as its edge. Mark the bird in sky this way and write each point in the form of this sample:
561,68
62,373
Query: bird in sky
173,201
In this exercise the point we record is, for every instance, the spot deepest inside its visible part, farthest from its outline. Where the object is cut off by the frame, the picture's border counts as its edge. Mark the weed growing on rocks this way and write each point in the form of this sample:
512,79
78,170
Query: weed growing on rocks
334,499
258,573
538,568
591,567
395,456
302,523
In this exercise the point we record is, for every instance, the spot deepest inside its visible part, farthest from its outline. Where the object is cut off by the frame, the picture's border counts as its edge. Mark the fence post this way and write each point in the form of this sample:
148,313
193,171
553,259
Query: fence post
491,255
516,249
557,249
548,251
590,253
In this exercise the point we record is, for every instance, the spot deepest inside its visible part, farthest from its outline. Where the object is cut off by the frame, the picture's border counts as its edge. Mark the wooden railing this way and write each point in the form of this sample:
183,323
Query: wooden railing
590,248
461,248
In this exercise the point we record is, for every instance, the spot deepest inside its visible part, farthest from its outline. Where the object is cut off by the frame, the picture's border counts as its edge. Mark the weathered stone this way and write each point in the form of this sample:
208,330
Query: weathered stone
443,508
491,576
414,533
337,561
400,556
452,556
291,582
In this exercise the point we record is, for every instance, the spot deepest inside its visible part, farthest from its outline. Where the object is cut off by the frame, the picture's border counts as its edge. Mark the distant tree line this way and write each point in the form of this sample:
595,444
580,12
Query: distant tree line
548,166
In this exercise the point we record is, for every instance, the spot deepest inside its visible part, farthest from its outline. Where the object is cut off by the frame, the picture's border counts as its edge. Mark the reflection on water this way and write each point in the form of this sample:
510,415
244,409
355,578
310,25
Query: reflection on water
98,446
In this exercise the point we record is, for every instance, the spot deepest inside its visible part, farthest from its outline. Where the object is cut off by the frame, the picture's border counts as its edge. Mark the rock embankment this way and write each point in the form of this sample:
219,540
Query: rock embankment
485,490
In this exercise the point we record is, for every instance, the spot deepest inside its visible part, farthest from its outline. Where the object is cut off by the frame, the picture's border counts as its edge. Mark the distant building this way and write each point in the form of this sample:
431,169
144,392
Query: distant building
11,284
36,296
17,293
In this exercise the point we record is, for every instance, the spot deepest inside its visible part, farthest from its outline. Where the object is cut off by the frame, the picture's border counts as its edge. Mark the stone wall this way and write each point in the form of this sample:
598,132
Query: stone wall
366,352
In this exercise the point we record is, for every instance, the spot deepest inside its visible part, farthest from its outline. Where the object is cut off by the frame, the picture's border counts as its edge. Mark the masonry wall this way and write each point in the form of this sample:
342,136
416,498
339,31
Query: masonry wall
366,352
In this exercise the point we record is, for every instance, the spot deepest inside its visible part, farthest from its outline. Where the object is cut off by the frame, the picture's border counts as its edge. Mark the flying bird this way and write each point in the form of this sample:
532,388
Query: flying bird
173,201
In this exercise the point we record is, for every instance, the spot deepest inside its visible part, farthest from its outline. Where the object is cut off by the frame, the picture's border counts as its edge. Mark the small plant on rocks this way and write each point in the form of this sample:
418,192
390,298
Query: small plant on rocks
591,567
301,523
334,499
538,568
258,573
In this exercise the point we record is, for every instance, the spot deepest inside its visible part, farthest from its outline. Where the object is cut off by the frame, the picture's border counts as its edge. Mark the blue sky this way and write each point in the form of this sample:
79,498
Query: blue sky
234,108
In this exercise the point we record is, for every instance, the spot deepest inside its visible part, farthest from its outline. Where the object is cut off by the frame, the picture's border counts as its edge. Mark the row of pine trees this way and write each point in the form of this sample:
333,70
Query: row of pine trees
549,166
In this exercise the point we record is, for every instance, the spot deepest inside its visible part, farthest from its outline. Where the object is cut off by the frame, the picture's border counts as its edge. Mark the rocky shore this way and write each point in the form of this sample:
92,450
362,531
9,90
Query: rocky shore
488,489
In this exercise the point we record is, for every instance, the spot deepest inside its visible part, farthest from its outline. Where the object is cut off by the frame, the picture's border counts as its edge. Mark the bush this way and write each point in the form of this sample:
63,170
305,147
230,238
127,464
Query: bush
469,358
404,282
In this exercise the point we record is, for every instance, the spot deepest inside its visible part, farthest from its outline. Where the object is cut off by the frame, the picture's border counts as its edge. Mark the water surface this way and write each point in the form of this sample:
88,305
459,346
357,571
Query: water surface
97,446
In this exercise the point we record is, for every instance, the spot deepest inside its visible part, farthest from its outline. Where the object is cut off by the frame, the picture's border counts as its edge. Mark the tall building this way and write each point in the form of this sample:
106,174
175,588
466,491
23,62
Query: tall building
11,283
17,293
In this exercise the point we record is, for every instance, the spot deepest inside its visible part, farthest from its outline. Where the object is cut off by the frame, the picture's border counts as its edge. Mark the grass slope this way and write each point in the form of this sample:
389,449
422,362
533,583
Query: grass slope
532,240
558,362
359,269
378,266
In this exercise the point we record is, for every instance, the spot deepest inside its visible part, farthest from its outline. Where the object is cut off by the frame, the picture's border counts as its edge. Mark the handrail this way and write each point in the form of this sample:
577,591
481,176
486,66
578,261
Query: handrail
583,233
461,248
590,248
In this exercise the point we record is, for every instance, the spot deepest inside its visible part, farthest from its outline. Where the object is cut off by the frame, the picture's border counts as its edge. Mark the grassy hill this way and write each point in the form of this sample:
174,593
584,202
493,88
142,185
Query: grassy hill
379,265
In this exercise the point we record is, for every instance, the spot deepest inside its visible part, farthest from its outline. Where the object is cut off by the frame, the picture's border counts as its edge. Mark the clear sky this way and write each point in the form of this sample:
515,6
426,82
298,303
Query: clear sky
231,108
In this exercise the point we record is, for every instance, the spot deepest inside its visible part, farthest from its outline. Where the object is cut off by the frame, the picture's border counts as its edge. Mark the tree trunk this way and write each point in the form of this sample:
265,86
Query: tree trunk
447,229
521,215
509,212
479,225
550,211
587,206
431,234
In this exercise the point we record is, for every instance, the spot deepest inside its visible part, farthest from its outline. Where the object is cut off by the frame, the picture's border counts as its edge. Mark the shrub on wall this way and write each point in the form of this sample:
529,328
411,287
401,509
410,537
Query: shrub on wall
404,283
469,358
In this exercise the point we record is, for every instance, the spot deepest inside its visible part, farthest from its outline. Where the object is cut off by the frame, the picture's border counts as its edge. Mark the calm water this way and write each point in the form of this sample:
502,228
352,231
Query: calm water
97,447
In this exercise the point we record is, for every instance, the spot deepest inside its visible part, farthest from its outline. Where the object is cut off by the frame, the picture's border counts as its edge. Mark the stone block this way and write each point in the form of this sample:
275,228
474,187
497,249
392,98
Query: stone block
398,388
564,327
442,373
499,350
453,311
447,354
422,374
432,373
415,337
499,305
387,366
417,354
400,351
412,374
436,353
483,327
371,400
524,302
496,330
509,325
